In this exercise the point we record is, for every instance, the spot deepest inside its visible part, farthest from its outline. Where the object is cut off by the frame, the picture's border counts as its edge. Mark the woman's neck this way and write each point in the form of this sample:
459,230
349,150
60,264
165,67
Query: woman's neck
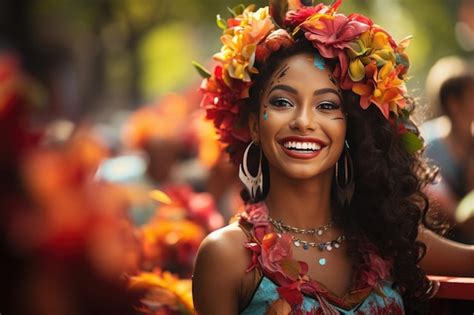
300,203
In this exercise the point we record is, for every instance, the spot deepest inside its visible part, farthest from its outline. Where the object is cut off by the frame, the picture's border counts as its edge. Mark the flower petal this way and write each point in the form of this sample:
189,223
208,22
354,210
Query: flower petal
356,70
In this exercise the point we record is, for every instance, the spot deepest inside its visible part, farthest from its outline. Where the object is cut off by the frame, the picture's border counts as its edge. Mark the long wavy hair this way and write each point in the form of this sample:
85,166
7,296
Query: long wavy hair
388,203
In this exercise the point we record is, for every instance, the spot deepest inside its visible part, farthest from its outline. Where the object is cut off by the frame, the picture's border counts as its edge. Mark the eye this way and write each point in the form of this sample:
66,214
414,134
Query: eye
280,102
328,105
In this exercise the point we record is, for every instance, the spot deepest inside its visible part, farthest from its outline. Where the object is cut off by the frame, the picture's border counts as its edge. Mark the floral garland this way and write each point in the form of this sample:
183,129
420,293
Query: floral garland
272,254
370,63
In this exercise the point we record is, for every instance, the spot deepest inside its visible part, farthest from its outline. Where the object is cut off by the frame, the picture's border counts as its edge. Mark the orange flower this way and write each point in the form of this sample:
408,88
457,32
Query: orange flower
240,43
384,88
171,244
165,292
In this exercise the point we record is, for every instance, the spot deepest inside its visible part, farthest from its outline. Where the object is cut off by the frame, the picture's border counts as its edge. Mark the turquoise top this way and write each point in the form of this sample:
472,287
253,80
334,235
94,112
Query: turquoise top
390,302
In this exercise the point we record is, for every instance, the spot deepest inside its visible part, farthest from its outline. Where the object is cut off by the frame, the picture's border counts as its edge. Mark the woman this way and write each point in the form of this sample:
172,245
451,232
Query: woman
331,166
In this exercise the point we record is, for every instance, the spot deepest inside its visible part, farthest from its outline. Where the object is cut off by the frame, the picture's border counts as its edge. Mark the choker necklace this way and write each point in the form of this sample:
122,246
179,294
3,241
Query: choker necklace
316,231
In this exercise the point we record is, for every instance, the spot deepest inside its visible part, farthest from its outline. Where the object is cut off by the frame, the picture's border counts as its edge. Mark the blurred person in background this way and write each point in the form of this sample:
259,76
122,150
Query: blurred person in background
450,142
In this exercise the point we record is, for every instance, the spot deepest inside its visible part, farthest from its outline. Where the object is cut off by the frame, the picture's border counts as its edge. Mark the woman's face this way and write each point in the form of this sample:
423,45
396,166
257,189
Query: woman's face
301,126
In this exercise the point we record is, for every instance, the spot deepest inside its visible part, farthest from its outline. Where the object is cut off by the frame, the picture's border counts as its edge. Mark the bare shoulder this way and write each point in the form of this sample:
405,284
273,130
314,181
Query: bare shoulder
220,270
225,245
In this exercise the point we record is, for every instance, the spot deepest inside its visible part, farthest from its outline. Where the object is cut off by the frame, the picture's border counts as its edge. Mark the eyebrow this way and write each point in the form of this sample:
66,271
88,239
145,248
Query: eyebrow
284,88
294,91
325,91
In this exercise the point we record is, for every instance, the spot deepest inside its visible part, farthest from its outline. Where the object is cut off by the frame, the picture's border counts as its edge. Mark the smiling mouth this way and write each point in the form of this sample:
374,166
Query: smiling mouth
302,147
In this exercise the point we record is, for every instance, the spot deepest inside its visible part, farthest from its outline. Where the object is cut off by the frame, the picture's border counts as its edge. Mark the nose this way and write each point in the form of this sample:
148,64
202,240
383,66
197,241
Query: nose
303,120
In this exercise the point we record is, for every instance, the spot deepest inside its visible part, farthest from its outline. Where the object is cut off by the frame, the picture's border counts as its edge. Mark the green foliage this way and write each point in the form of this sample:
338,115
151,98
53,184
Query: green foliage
203,72
411,142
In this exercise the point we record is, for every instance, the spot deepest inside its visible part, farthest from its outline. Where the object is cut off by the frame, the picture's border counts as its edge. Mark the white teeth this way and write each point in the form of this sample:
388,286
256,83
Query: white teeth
302,145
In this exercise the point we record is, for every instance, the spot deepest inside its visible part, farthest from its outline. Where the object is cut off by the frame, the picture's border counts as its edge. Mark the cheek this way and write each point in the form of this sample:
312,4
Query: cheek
268,132
337,132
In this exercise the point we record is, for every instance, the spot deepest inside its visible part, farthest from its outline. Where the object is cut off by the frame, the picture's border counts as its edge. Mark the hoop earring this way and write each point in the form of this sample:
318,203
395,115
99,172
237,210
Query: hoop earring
344,176
251,183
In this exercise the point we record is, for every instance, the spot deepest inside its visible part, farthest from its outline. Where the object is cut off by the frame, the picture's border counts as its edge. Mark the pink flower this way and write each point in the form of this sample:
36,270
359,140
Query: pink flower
274,250
331,34
257,215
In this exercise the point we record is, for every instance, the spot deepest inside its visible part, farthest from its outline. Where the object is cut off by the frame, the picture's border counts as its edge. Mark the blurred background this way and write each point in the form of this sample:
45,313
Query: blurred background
111,177
98,57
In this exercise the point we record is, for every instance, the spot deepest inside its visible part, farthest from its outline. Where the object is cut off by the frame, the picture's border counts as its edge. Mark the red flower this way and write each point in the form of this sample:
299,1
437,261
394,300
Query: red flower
222,104
296,17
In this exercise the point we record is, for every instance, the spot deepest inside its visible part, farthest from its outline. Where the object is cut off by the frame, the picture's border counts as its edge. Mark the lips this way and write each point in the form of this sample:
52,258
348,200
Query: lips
301,147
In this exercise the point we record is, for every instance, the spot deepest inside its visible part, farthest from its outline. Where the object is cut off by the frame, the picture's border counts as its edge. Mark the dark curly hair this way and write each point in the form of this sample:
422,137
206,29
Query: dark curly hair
388,203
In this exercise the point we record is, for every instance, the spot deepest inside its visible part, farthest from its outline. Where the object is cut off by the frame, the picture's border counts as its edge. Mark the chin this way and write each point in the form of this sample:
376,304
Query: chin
305,173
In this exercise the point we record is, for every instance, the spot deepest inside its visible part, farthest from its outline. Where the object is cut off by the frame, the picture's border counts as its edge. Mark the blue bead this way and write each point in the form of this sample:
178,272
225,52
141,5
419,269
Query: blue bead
322,261
305,246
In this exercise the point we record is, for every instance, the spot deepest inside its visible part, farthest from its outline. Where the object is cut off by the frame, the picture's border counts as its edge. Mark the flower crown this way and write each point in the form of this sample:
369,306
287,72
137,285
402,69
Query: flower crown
369,63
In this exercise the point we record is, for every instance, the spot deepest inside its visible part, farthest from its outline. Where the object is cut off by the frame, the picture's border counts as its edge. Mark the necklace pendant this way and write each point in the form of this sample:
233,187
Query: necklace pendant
305,246
297,243
322,261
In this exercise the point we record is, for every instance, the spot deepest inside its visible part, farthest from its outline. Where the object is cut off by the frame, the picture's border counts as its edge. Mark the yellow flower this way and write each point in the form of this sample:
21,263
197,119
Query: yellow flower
372,45
240,42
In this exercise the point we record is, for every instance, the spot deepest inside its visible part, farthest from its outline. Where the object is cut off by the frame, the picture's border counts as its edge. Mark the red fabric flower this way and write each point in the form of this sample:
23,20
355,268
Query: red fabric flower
257,215
274,250
291,293
375,267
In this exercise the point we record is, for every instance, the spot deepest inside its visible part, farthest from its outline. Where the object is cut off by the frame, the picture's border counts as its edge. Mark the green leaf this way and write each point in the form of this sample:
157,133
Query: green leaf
221,22
239,9
411,142
278,9
231,11
405,113
203,72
